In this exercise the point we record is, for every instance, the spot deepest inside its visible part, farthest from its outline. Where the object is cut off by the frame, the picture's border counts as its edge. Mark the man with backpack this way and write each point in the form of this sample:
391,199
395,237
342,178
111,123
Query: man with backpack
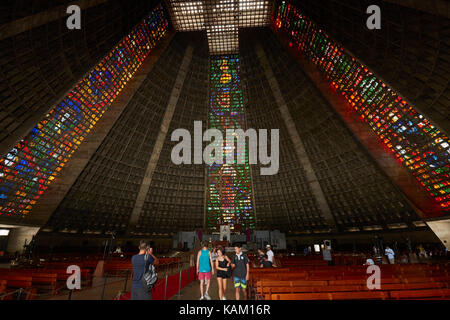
142,265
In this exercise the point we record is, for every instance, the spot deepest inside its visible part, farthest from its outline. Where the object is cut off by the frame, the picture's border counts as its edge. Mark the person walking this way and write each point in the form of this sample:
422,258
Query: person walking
241,269
204,270
223,267
141,263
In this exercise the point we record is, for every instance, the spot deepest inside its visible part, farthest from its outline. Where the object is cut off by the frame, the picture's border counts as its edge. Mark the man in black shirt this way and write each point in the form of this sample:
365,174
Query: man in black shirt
241,269
140,266
266,263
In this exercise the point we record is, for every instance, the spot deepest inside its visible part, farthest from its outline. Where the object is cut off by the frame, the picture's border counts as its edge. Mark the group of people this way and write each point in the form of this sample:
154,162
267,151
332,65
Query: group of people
208,263
388,252
265,259
237,267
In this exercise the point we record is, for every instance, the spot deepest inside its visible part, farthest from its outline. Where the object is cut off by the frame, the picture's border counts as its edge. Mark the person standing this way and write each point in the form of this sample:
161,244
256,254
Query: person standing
327,256
241,269
223,265
305,251
259,258
214,255
390,254
376,252
369,260
269,253
141,263
422,252
204,270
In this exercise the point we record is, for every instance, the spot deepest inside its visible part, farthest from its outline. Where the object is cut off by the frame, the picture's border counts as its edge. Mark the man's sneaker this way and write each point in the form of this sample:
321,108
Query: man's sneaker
207,296
202,298
223,298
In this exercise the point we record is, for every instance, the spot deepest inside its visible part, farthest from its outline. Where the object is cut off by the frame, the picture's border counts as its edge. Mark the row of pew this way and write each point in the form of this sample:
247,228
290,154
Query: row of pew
319,282
120,266
49,278
36,282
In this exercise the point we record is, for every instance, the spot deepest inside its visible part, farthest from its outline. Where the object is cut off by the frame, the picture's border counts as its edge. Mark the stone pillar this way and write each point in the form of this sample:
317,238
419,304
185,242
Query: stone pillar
174,96
441,229
17,237
296,140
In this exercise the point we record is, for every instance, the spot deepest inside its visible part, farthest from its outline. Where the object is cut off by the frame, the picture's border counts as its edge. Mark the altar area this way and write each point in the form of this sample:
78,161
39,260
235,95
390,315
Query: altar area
250,241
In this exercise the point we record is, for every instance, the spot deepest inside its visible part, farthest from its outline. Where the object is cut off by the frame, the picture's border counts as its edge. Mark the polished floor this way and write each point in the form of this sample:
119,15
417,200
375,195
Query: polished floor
192,291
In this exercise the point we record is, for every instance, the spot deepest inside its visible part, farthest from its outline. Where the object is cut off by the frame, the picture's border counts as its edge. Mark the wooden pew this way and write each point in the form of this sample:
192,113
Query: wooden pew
117,267
62,275
352,295
267,291
348,282
14,282
413,286
46,281
265,288
361,295
421,294
39,279
268,286
3,284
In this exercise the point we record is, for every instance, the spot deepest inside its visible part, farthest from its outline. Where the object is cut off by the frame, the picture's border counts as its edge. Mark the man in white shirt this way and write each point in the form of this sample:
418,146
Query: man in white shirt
269,253
390,254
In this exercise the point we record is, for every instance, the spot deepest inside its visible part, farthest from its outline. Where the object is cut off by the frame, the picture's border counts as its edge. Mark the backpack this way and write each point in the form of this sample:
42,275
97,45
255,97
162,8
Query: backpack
149,277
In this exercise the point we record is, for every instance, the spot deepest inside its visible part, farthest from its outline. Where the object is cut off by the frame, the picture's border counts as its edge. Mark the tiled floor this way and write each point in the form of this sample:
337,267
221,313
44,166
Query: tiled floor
192,291
112,288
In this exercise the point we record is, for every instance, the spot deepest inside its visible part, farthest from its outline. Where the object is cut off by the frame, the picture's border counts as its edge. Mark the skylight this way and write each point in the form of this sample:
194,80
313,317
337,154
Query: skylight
221,19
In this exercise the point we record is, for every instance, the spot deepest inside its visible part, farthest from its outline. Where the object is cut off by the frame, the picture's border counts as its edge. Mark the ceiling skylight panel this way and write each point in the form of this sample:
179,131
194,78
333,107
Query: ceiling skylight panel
220,18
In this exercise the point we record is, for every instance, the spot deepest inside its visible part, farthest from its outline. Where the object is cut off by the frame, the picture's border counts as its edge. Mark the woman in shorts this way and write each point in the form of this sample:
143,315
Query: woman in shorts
223,272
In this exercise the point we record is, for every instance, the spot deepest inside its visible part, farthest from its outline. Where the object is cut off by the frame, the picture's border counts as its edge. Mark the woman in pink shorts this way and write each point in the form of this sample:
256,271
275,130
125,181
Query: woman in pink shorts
204,270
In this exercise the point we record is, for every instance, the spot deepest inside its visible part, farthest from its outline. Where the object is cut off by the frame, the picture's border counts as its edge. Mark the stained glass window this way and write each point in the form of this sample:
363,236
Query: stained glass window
29,167
229,193
413,139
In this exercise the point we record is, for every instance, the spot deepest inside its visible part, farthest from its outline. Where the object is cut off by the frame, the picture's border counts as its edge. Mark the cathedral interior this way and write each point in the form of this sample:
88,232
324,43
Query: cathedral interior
87,115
